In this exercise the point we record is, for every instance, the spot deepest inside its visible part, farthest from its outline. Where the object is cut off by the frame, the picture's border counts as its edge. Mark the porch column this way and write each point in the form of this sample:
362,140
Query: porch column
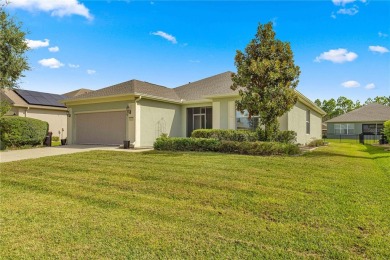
216,115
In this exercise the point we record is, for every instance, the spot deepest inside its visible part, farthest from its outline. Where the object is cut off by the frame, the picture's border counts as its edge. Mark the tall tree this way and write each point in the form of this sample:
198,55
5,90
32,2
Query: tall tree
329,106
380,100
266,78
12,49
344,105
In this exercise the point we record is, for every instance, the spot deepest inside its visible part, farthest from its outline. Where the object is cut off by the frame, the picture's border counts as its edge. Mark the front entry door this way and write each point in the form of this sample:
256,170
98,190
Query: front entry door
199,121
199,118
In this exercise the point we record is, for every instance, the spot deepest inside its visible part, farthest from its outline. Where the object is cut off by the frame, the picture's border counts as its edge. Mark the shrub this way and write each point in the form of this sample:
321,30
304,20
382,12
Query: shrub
19,131
226,134
316,143
386,129
55,138
211,144
287,137
260,134
258,148
186,144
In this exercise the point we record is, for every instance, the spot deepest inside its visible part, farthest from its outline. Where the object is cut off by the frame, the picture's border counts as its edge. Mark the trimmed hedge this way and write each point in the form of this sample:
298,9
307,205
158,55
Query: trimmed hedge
19,131
288,137
226,134
215,145
185,144
258,148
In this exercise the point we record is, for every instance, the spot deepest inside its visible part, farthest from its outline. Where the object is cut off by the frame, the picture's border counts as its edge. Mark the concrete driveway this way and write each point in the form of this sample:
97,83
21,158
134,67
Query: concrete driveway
17,155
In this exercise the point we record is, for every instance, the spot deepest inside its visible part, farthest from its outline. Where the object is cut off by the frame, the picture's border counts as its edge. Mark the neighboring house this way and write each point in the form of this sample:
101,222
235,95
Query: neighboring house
38,105
367,119
140,112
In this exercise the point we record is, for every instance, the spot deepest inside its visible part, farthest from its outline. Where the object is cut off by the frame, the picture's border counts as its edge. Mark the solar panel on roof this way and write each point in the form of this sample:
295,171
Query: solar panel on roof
40,98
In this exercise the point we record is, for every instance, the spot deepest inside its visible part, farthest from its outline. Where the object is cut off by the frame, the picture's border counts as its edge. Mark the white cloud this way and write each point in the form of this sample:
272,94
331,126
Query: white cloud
54,49
91,72
384,35
194,61
379,49
333,15
35,44
166,36
51,63
337,56
342,2
73,66
273,20
370,86
350,84
55,7
348,11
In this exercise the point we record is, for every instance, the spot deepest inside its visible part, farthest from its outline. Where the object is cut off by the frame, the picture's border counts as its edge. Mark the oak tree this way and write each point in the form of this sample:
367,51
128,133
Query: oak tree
266,78
13,46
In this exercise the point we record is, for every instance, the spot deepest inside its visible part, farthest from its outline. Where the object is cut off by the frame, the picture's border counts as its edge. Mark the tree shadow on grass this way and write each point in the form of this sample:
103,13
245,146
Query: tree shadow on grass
373,153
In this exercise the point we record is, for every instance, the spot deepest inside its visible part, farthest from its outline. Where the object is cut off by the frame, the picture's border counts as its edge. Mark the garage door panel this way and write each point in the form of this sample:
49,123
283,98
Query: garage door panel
101,128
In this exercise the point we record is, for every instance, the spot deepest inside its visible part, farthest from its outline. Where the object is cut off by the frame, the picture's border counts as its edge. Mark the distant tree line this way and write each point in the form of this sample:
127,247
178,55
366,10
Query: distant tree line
343,105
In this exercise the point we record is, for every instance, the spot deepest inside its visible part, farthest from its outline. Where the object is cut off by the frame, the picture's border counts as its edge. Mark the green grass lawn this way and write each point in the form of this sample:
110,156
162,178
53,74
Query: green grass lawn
331,203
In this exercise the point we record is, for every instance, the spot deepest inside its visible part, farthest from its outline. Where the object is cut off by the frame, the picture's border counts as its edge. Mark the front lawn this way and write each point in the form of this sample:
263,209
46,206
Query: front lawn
330,203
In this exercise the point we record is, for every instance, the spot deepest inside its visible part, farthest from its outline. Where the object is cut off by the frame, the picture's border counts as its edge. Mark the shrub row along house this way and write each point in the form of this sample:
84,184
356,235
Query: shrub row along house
140,112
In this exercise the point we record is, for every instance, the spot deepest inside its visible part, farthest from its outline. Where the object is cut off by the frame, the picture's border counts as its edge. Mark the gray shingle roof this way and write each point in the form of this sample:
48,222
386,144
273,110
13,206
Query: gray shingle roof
368,113
131,87
215,85
77,92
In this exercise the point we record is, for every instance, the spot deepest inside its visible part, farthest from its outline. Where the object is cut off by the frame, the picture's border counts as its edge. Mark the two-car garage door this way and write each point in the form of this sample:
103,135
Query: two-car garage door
101,128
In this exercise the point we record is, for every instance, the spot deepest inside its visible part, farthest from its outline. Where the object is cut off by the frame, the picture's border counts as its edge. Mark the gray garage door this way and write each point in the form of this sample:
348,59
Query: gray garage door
101,128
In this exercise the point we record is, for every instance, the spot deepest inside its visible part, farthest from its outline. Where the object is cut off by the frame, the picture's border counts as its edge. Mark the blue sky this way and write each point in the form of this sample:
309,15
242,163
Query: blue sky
341,46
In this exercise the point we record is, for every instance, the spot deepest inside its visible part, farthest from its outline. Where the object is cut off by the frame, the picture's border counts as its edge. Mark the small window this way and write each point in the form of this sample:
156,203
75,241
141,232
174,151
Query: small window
243,122
344,129
308,122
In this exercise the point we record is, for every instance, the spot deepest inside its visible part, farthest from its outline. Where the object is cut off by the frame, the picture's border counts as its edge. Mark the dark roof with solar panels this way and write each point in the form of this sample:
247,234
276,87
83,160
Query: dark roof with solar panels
40,98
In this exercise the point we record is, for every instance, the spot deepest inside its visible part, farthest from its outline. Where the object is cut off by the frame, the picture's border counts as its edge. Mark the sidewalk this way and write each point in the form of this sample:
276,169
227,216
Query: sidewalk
16,155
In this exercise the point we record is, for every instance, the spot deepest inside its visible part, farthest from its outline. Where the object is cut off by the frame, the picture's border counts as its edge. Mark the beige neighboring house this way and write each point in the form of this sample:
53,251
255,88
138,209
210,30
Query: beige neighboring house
38,105
140,112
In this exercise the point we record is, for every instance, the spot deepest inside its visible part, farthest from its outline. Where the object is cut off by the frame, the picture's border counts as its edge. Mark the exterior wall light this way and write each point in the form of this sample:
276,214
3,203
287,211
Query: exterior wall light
68,113
128,110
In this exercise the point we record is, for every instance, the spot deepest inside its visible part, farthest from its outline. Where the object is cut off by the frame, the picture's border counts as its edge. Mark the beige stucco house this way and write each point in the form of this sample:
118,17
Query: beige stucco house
140,112
38,105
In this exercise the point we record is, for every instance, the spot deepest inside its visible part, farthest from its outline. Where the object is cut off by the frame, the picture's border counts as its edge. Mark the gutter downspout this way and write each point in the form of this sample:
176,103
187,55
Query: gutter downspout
25,112
137,122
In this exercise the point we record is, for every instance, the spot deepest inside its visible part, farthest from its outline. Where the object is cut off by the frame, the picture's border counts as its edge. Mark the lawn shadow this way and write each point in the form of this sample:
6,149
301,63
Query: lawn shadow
373,153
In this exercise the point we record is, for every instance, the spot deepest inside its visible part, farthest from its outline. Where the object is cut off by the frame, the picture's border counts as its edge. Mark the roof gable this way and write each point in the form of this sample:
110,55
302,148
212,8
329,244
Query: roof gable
215,85
368,113
131,87
77,92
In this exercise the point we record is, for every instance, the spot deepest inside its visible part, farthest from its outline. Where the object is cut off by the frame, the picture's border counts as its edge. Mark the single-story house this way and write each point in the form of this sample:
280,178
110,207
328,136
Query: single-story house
38,105
140,112
367,120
